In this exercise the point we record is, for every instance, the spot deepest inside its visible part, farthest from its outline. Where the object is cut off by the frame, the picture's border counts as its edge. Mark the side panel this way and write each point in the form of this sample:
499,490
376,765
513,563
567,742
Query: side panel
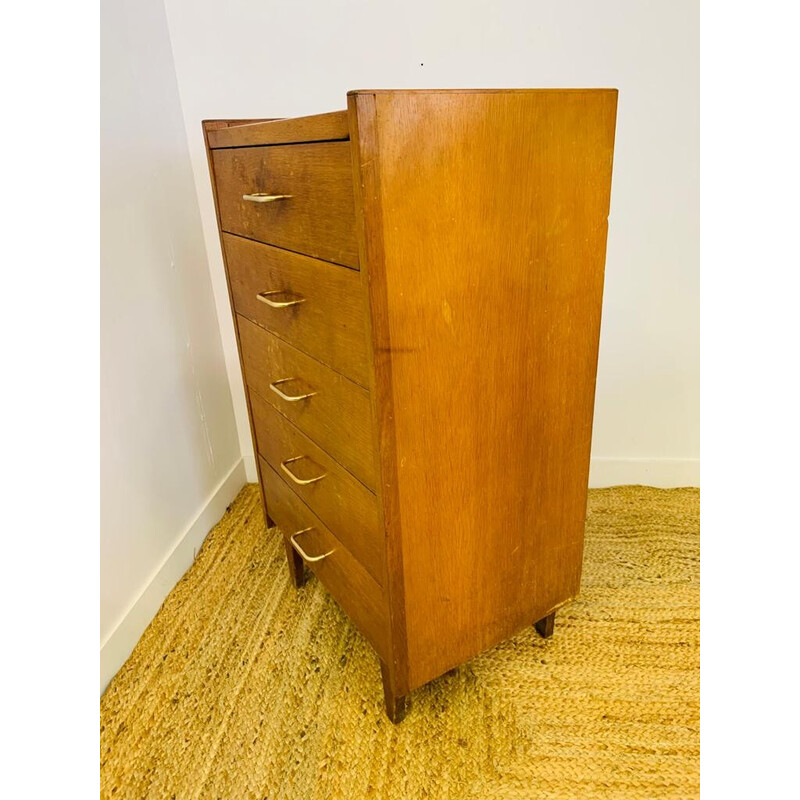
486,294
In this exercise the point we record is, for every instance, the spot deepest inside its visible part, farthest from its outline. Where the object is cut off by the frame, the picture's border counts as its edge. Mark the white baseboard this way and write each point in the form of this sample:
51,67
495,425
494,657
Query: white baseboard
119,644
665,473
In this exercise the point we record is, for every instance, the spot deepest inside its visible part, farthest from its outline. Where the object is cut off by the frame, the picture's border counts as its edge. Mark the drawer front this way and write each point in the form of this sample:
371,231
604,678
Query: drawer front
351,586
348,508
314,305
326,406
318,217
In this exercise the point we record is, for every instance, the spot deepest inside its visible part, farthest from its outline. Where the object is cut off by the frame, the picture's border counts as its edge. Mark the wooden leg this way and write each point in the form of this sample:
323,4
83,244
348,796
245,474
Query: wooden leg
396,707
296,566
544,627
267,518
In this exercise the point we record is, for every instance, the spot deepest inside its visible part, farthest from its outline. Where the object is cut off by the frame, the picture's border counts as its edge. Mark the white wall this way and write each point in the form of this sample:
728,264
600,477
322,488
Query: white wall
169,447
254,58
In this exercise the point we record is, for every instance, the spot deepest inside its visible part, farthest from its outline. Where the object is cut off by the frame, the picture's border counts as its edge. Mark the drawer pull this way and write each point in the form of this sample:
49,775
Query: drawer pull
305,556
290,398
263,197
300,481
265,297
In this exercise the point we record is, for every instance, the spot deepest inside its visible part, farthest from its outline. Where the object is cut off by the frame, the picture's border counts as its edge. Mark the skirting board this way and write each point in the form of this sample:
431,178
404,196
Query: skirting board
665,473
120,642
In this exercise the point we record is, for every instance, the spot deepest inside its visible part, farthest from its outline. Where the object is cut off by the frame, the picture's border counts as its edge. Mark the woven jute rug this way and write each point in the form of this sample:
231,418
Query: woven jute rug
243,687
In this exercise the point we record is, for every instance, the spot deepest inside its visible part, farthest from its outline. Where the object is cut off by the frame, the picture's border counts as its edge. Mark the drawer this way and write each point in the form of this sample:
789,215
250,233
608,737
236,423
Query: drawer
316,306
348,508
326,406
351,586
317,217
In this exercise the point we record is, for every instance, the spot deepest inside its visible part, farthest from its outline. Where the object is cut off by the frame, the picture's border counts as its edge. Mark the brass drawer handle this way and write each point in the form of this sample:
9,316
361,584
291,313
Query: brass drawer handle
300,481
264,297
263,197
305,556
290,398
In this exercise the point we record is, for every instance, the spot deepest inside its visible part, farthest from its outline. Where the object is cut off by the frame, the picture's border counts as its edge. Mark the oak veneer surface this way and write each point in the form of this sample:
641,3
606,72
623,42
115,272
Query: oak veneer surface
350,584
337,415
211,126
486,314
319,127
327,323
338,499
317,218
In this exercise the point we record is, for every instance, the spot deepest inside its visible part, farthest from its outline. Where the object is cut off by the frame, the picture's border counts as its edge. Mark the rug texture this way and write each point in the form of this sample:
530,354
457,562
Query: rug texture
243,687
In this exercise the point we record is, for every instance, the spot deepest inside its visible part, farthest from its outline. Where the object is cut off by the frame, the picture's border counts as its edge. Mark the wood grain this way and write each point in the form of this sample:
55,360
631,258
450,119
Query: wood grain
486,302
344,504
341,574
337,417
316,128
317,220
212,125
328,324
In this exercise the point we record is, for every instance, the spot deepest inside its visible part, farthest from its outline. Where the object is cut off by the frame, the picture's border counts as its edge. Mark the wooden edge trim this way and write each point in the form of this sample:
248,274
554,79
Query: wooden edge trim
206,131
366,178
248,133
217,124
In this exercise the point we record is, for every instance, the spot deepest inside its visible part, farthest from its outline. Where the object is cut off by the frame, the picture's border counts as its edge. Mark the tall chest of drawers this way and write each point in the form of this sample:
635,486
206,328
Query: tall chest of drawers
416,285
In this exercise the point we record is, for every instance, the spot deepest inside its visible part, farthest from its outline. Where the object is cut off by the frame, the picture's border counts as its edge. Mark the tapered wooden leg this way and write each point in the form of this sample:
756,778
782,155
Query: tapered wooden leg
296,566
267,518
396,707
544,627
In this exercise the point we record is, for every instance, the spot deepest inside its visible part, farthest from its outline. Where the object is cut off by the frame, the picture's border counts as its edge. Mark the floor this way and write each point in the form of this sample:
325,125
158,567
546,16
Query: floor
243,687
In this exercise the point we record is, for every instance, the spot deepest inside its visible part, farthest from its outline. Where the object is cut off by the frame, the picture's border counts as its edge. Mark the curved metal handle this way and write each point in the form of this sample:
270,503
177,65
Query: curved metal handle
264,297
300,481
290,398
263,197
305,556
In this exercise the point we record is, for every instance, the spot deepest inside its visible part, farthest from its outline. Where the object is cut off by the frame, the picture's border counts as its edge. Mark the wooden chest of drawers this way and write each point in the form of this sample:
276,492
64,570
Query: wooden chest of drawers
416,284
